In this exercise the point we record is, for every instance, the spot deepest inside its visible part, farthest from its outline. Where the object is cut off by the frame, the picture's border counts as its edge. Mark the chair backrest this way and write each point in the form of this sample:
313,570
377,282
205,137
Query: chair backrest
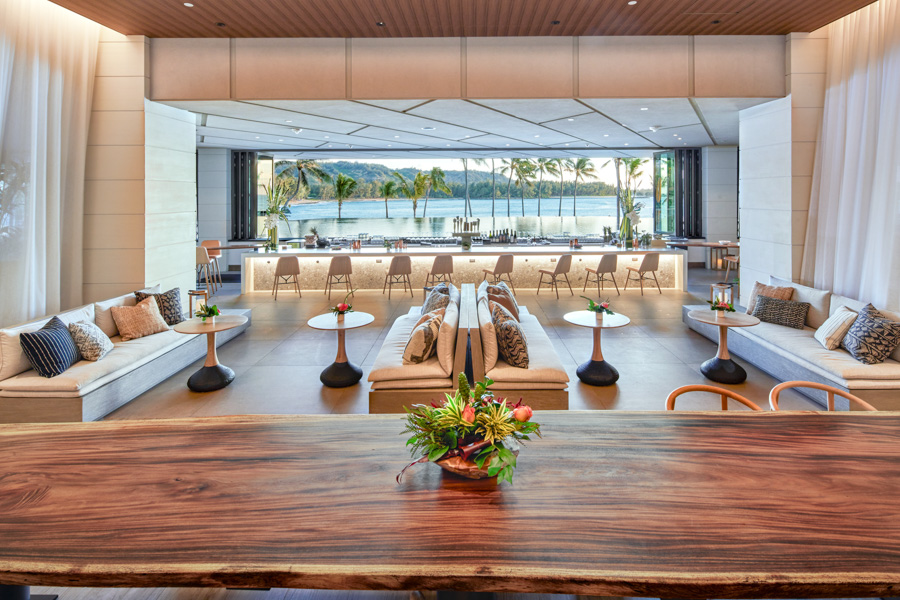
443,265
608,263
657,243
650,262
725,395
400,265
340,265
212,244
287,265
504,264
564,264
202,256
830,392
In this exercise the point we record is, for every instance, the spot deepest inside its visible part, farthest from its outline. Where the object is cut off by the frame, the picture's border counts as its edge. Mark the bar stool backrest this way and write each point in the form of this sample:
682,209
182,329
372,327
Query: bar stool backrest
340,265
287,265
202,256
650,262
563,265
400,265
608,263
443,265
212,244
504,264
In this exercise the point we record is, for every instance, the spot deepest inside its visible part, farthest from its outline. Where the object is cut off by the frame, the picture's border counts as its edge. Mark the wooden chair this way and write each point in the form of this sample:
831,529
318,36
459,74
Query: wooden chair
215,255
287,269
731,261
441,271
607,266
339,271
650,264
563,266
397,273
504,267
725,395
204,268
829,391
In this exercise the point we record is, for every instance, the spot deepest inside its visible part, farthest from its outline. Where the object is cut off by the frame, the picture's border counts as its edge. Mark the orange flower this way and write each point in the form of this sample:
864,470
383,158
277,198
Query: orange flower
523,414
468,414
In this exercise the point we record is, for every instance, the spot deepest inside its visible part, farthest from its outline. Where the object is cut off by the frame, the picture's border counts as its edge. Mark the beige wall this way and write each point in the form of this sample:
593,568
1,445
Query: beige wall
514,67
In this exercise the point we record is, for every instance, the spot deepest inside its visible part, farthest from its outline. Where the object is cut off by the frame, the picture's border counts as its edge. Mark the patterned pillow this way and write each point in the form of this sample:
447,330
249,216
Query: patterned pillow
872,337
502,295
90,340
50,349
423,341
760,289
140,320
169,304
781,312
831,333
511,342
436,300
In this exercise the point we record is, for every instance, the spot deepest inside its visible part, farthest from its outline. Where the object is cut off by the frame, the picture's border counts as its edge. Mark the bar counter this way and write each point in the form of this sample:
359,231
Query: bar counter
370,265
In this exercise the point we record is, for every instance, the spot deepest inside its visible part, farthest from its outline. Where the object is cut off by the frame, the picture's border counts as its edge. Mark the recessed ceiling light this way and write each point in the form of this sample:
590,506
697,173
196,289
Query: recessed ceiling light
380,23
280,140
537,135
605,135
566,144
679,139
644,108
396,136
716,22
448,145
257,137
327,137
287,121
468,136
570,120
189,5
632,2
389,145
554,22
626,143
507,144
330,146
296,130
428,128
674,135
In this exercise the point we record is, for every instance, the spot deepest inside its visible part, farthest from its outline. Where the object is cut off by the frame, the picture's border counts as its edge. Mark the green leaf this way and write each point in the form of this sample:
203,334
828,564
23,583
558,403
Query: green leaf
494,469
505,455
437,453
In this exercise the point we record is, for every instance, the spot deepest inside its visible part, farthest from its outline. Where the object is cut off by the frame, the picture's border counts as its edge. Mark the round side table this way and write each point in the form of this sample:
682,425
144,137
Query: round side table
212,375
722,369
597,371
342,372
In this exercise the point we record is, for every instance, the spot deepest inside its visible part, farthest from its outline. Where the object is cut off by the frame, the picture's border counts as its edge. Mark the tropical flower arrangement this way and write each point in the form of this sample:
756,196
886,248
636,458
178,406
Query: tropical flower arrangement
721,305
205,311
472,433
342,308
599,307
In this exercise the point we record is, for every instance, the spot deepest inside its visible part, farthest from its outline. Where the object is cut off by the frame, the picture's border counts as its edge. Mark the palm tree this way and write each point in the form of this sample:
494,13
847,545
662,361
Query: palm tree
493,186
548,166
524,172
617,163
508,166
435,181
306,167
583,169
344,187
465,162
387,189
412,188
563,165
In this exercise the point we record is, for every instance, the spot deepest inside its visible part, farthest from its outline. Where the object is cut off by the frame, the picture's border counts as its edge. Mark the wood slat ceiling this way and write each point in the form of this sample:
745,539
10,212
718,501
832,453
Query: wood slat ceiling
456,18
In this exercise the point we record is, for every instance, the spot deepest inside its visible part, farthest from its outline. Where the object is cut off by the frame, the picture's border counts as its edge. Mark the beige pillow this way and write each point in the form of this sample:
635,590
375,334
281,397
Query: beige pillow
488,335
831,333
140,320
103,317
502,295
761,289
423,341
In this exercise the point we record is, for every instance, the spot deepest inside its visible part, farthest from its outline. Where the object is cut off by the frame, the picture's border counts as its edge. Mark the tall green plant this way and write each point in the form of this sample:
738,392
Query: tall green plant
582,168
413,189
434,181
344,187
632,172
493,185
387,190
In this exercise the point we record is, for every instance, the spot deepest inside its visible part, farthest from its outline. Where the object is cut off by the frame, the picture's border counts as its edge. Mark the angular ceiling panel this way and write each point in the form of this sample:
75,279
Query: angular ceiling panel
642,114
537,111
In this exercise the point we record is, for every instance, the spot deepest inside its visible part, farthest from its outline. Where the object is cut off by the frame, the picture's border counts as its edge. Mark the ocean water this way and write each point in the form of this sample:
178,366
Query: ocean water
594,212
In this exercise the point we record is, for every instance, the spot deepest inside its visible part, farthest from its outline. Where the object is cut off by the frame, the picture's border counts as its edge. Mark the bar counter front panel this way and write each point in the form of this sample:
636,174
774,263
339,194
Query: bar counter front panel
370,265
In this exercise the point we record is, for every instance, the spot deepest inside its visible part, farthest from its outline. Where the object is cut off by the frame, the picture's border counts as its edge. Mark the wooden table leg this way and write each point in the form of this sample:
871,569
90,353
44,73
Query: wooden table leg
722,369
342,372
597,371
212,375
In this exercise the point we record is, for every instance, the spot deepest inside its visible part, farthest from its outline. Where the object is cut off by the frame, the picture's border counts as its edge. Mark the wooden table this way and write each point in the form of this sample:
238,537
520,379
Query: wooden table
678,504
342,372
597,371
212,375
721,368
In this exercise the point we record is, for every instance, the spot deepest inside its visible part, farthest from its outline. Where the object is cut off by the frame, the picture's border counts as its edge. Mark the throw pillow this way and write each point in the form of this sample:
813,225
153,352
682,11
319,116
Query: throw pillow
831,333
169,304
90,340
511,342
435,300
501,294
422,341
50,349
760,289
781,312
435,313
872,337
140,320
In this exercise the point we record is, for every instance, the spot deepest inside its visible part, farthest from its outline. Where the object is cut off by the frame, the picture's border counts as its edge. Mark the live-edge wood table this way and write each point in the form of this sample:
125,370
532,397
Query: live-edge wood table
678,504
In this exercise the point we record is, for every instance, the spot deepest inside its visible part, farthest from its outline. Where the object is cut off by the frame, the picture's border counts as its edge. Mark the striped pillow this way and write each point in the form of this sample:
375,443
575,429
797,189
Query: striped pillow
831,333
50,349
423,340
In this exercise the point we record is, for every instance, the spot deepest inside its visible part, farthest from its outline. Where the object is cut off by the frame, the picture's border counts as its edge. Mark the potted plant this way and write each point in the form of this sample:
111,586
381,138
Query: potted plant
599,308
342,308
311,238
205,311
471,434
388,245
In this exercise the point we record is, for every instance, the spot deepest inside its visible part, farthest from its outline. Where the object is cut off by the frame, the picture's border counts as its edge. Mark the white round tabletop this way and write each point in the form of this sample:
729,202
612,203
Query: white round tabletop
352,320
586,318
221,323
735,319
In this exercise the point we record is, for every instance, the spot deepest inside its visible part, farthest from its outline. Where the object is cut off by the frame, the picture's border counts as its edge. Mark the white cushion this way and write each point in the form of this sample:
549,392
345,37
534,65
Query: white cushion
835,328
12,359
489,347
544,365
389,362
446,344
103,316
819,300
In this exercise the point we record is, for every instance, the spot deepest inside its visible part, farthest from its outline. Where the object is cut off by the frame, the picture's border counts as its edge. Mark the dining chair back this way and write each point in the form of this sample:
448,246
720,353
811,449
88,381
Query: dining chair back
649,264
397,273
563,266
830,393
215,255
441,271
722,392
287,270
608,265
339,271
503,267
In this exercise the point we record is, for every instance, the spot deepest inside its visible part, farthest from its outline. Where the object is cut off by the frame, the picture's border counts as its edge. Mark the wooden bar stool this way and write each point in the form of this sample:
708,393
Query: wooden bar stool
607,266
286,269
504,267
830,392
563,266
722,392
339,271
731,261
399,272
441,271
650,264
204,266
214,255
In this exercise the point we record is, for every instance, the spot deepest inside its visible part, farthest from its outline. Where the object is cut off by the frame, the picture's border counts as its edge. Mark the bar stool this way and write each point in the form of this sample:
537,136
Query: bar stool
397,273
204,266
339,271
731,261
607,266
563,266
504,267
441,271
286,269
215,255
650,264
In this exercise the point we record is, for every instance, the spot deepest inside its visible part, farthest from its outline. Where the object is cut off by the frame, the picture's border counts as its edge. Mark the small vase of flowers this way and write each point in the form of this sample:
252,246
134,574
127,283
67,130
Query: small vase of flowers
207,313
599,308
471,434
722,300
342,308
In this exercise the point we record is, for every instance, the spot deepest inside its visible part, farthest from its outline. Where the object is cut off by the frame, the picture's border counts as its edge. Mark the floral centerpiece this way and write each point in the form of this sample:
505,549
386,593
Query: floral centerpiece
277,198
205,311
599,308
722,300
342,308
635,218
471,434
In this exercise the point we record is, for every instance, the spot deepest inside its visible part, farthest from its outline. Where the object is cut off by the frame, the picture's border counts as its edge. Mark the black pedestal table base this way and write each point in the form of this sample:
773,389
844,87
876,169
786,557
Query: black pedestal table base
597,372
723,370
209,379
22,592
341,374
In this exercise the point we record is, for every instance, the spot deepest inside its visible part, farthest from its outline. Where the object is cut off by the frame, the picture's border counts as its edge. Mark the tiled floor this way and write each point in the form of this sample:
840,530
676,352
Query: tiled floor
279,358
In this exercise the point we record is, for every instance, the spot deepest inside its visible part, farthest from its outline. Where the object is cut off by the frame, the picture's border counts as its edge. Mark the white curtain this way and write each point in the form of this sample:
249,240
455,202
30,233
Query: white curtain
47,61
853,237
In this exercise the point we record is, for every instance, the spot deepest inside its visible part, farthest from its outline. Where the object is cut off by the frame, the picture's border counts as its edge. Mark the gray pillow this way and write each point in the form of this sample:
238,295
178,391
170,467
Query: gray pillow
169,304
90,340
872,337
781,312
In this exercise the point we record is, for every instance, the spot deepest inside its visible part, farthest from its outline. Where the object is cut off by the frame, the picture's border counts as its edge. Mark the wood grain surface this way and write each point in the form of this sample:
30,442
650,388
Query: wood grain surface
703,505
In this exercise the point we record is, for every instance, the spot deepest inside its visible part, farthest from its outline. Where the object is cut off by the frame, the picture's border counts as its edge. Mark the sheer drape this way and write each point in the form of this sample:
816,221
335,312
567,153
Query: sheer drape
47,60
853,237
